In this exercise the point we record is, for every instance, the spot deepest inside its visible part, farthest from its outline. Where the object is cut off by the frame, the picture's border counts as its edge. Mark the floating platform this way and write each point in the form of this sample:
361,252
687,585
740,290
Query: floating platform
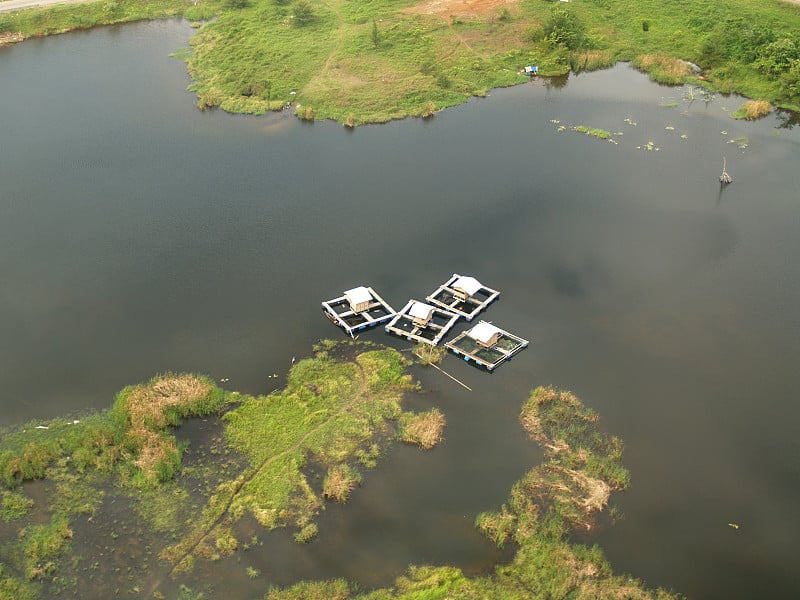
486,345
357,309
463,295
422,322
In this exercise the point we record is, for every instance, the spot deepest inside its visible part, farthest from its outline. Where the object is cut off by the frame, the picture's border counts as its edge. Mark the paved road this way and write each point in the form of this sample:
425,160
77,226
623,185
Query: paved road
10,5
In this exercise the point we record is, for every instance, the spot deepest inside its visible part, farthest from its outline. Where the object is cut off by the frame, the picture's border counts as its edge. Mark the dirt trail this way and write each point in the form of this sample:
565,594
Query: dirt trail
10,5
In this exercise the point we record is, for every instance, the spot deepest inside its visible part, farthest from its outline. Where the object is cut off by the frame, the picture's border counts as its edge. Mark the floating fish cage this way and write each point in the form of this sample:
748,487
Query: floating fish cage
486,345
463,295
358,309
420,322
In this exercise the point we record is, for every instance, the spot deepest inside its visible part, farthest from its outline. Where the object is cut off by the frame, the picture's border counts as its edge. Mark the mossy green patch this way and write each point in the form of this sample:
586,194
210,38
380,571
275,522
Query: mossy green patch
332,410
15,505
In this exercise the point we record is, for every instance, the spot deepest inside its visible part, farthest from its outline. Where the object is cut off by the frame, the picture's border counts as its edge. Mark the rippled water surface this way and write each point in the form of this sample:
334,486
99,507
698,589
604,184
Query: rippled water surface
140,235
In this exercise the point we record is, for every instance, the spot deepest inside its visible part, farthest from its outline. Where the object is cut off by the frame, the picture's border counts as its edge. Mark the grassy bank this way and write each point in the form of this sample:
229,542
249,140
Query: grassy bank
122,476
376,60
583,466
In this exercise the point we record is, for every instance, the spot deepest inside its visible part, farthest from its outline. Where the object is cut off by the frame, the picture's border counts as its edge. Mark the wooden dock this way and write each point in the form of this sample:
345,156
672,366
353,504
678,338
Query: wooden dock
421,322
358,309
486,345
463,295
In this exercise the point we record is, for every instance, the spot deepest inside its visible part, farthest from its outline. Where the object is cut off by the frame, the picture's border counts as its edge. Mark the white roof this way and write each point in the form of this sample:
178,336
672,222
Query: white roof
483,332
358,295
468,284
420,310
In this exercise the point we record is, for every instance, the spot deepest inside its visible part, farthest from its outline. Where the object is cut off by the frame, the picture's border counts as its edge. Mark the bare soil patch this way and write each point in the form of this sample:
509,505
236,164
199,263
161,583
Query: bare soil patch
459,8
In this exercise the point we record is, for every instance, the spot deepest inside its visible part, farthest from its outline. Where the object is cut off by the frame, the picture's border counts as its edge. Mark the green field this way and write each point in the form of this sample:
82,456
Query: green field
360,61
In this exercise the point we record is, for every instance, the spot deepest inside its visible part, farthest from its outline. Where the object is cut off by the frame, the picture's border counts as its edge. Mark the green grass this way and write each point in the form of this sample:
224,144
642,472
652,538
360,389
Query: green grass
15,505
592,131
251,59
333,411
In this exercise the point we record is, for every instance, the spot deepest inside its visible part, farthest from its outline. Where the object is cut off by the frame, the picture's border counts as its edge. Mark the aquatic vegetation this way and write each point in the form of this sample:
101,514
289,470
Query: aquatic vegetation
741,142
340,481
430,355
423,429
594,132
583,466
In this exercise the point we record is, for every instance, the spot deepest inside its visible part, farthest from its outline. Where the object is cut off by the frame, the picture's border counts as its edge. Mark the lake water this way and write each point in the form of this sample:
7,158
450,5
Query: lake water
140,235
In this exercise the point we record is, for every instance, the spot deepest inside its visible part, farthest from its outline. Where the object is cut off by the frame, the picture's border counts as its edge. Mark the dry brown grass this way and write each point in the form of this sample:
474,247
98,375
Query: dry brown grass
754,109
339,483
424,429
662,68
149,406
10,37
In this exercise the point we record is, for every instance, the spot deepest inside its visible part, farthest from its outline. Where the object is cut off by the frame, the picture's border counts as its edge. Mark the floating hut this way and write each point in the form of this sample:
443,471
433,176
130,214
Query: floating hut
357,309
463,295
421,322
486,345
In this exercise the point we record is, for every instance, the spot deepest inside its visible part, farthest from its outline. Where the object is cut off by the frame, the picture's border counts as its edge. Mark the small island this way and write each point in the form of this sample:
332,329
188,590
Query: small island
373,61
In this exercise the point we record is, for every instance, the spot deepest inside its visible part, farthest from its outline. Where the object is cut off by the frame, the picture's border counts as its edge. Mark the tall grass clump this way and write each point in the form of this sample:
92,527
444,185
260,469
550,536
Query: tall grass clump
147,411
339,483
423,429
591,60
662,68
752,110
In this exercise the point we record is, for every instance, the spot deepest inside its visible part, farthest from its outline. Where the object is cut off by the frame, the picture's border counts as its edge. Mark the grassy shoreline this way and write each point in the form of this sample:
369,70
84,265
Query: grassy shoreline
108,500
64,480
374,61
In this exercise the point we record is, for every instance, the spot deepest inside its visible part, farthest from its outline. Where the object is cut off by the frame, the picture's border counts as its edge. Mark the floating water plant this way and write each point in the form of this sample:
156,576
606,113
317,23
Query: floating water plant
741,142
594,132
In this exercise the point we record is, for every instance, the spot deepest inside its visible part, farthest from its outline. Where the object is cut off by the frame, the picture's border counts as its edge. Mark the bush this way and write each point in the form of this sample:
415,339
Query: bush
303,12
563,28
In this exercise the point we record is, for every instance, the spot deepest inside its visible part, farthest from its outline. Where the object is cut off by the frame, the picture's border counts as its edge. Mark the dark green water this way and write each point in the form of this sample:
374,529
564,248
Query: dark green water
139,235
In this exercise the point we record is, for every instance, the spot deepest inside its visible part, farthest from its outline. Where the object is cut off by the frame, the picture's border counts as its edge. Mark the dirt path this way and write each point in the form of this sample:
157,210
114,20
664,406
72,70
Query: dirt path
10,5
194,539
